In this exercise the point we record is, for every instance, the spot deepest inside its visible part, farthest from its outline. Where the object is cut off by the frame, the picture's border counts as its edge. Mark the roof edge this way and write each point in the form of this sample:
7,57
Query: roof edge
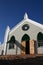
28,20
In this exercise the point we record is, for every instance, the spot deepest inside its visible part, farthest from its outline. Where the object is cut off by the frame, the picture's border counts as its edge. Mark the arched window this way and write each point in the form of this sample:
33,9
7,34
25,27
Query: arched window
40,39
11,42
25,37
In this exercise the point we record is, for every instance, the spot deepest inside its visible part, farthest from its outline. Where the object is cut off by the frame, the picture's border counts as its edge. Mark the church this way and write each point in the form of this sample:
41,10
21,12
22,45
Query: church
25,38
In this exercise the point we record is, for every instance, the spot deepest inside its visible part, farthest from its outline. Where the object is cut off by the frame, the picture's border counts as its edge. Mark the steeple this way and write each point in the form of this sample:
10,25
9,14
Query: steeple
6,38
25,16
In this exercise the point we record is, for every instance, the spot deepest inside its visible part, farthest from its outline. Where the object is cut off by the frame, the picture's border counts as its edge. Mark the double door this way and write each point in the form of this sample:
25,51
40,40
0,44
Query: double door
28,47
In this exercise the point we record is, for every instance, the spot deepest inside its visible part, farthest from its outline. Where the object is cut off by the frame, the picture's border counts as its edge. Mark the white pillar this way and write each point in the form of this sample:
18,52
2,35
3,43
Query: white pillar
6,38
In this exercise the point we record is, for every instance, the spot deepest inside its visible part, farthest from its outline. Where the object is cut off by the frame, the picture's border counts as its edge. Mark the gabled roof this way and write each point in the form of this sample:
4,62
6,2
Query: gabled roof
28,20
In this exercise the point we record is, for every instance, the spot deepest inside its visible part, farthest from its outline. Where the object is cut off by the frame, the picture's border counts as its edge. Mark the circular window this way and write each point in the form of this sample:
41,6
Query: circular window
25,27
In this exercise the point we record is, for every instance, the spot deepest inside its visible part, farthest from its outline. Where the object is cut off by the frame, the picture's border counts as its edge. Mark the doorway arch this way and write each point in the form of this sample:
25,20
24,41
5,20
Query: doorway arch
26,38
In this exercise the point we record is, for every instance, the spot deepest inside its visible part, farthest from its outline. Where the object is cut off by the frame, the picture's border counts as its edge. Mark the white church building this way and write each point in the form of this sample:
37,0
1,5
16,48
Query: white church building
25,38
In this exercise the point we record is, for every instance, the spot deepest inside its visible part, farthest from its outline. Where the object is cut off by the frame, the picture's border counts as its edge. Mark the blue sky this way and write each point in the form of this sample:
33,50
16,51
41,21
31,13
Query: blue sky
12,12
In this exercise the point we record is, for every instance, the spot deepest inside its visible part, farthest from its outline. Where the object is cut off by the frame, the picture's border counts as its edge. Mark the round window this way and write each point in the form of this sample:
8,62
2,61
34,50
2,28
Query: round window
25,27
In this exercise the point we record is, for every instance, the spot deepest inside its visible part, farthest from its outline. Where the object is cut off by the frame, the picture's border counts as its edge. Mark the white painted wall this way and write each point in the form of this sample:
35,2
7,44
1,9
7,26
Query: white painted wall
40,50
1,48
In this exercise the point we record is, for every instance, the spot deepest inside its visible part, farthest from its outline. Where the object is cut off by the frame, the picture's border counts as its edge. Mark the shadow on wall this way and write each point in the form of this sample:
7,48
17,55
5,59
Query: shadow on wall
20,45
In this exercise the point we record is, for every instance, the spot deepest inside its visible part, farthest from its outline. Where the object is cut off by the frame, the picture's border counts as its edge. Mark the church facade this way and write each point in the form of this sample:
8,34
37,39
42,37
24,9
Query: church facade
25,38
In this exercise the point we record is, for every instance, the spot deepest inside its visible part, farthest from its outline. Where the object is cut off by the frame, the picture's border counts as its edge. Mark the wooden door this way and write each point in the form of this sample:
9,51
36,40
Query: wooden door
32,47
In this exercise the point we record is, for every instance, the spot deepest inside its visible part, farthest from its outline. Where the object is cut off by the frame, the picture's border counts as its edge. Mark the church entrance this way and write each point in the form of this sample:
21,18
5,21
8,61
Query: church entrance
27,50
25,44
